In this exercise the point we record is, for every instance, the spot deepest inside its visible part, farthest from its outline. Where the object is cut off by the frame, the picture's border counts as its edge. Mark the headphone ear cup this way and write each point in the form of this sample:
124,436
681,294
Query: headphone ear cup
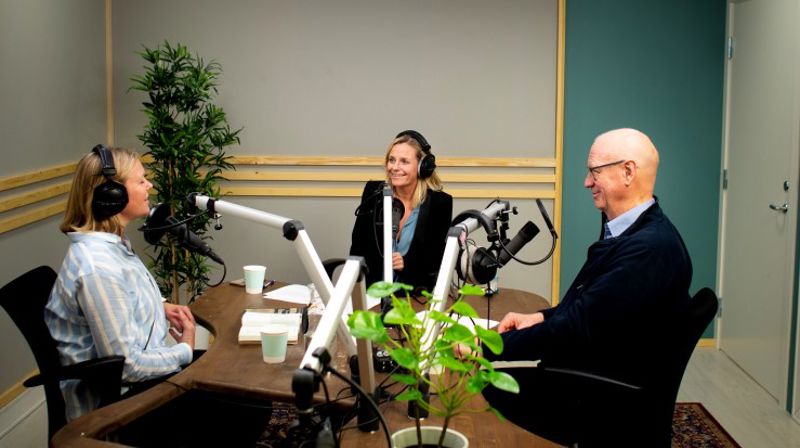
426,166
108,199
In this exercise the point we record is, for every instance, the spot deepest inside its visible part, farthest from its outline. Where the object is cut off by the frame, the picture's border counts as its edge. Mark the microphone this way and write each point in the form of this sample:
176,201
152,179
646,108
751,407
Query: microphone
525,235
159,221
398,210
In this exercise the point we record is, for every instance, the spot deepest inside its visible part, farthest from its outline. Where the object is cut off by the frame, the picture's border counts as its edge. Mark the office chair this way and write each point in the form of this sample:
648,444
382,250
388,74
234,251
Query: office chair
24,300
623,414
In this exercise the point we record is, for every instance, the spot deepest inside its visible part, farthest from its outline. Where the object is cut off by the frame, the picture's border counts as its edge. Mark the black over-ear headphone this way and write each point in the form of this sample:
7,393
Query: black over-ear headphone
428,161
110,197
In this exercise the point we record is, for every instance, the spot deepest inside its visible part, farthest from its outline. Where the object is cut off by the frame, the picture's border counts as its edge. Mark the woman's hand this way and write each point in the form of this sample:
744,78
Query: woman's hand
397,261
517,321
182,324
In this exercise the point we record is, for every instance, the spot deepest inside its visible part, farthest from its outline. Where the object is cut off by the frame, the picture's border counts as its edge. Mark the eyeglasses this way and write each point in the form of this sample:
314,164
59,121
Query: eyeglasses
595,170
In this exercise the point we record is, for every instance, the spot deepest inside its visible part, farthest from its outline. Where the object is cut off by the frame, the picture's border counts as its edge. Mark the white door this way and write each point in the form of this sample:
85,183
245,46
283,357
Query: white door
758,236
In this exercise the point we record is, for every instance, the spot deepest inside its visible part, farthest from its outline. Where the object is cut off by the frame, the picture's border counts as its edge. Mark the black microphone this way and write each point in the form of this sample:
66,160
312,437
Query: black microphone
159,221
525,234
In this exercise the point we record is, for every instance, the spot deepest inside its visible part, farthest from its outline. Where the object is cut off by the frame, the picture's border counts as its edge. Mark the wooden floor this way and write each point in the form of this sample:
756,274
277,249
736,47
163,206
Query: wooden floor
744,409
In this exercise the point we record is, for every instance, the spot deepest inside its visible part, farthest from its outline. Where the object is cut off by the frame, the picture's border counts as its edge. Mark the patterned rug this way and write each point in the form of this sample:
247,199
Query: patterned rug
694,427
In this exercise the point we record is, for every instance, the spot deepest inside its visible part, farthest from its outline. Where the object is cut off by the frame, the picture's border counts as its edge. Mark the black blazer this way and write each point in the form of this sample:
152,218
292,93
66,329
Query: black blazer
421,263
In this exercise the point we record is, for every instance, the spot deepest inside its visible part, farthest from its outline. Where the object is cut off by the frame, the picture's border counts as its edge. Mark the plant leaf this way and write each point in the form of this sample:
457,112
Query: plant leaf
367,325
405,358
405,379
464,309
504,381
491,339
471,290
453,364
382,289
497,414
409,395
458,333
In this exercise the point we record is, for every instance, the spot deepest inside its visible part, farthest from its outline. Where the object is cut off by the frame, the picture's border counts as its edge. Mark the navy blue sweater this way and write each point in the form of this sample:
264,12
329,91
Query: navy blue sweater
621,300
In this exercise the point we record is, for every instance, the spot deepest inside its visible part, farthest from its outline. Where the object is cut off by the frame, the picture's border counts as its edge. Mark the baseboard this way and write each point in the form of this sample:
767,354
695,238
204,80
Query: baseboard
23,421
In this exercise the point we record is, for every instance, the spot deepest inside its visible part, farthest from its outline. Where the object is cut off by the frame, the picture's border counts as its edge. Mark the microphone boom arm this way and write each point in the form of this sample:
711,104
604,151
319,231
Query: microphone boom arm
295,232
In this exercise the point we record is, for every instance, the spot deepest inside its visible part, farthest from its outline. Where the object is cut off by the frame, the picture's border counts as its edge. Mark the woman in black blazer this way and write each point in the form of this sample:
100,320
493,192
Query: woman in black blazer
419,246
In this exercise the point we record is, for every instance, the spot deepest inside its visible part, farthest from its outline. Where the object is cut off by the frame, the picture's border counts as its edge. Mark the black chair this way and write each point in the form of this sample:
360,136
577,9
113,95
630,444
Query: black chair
24,300
622,414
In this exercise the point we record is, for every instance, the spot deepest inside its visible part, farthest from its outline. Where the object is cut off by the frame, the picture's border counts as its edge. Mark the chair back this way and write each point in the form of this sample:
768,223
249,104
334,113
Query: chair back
24,299
688,327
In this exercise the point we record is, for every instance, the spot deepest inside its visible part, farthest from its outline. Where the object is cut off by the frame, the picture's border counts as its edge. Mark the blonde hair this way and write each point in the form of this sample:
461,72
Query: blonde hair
434,182
88,175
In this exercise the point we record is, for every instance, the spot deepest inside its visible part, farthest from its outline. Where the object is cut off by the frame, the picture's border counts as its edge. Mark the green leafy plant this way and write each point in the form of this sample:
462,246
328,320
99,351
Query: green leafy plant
461,373
185,135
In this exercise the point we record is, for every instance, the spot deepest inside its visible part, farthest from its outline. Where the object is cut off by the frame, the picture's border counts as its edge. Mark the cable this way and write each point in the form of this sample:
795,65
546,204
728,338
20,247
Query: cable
224,273
366,397
530,263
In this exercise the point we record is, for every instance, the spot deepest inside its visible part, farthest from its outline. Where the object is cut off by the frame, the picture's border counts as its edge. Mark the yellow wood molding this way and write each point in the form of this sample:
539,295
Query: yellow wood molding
356,192
38,175
706,342
14,391
109,56
555,282
351,176
32,216
31,197
294,160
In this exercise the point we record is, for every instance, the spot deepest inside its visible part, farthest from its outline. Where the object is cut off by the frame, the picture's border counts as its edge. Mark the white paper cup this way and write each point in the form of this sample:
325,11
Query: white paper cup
254,278
274,338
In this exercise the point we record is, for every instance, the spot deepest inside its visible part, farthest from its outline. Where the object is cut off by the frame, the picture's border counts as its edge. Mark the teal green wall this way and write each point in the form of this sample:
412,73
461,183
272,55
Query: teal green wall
656,66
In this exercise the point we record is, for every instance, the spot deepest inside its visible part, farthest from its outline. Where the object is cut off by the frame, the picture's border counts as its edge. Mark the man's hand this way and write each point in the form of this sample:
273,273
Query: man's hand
517,321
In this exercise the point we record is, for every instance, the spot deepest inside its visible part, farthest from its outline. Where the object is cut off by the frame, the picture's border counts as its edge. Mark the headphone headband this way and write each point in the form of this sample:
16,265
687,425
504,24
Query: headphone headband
423,143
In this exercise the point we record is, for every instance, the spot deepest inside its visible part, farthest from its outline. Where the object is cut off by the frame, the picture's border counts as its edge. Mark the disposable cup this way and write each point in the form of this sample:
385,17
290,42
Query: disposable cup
274,338
254,278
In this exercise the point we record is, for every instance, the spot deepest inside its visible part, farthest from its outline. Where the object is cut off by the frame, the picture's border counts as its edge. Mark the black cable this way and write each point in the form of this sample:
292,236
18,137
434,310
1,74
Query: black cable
224,273
365,395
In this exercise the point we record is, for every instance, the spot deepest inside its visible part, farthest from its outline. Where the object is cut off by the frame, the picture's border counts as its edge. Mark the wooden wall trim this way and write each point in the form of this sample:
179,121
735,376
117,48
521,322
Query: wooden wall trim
38,175
15,390
273,176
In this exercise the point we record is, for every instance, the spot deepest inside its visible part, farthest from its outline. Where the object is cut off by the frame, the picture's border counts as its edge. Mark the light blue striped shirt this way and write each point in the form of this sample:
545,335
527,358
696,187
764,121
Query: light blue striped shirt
105,302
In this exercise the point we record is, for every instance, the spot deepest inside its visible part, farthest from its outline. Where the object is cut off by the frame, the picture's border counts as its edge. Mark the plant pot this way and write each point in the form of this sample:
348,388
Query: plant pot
407,437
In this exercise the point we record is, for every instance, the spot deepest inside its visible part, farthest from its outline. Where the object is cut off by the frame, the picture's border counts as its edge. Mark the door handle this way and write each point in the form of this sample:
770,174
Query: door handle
780,208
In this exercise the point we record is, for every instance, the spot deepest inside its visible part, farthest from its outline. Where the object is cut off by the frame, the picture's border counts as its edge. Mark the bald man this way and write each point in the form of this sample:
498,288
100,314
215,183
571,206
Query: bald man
634,278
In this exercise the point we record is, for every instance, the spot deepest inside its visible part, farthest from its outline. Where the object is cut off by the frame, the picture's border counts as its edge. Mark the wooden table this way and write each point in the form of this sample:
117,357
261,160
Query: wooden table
236,370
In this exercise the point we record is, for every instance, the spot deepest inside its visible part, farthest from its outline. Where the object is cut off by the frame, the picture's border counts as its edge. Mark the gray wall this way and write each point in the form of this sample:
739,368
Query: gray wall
342,78
52,85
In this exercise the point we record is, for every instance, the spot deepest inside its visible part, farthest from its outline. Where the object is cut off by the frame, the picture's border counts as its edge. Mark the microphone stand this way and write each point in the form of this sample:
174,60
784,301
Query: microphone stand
308,376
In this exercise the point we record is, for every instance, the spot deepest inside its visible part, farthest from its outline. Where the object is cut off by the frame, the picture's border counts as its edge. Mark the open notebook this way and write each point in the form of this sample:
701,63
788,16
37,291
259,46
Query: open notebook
254,319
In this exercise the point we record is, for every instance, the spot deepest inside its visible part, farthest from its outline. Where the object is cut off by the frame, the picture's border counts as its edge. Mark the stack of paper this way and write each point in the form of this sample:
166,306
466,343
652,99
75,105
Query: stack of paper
254,319
300,294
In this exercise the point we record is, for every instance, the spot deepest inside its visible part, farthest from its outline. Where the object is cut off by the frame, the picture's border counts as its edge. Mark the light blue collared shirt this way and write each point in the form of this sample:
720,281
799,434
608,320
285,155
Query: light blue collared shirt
621,223
105,302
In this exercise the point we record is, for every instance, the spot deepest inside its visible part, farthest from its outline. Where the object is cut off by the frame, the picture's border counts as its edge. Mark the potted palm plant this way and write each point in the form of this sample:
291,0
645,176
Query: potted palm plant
186,136
461,373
